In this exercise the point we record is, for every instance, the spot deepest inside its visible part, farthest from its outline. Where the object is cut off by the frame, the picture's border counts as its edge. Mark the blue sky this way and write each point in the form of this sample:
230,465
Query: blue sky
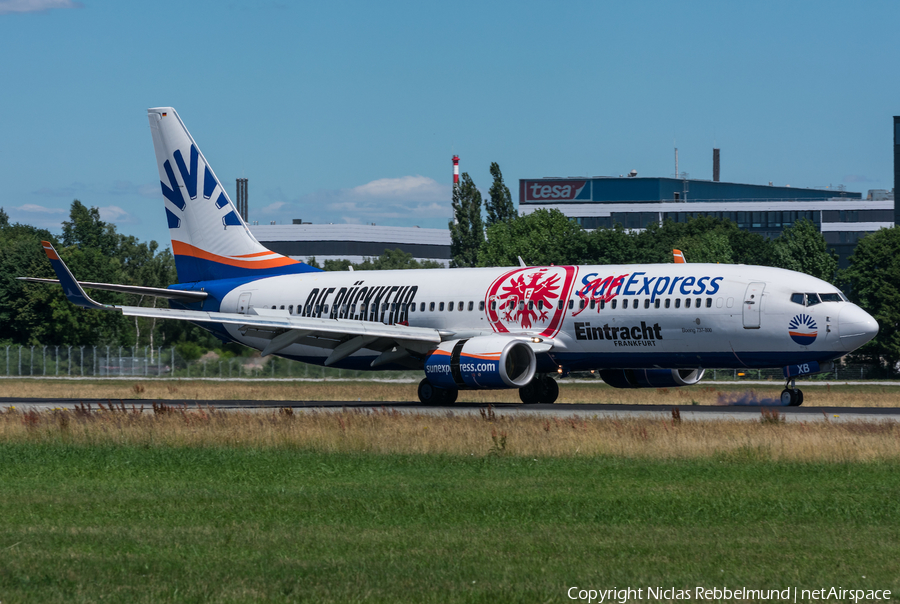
351,111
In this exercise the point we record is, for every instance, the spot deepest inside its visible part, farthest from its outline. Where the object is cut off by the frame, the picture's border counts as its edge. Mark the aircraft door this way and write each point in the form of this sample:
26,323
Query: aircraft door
244,303
752,304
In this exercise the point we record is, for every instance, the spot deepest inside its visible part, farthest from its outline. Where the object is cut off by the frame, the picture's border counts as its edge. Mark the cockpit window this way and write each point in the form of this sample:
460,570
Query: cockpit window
834,297
812,299
798,299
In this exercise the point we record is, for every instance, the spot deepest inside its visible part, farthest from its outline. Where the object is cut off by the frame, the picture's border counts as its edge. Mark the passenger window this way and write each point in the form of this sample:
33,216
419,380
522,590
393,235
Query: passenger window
441,307
422,307
318,309
667,302
602,304
656,303
812,299
709,303
719,302
481,305
647,303
797,299
698,302
450,307
614,304
540,305
282,307
687,303
581,304
431,307
412,307
291,309
635,303
593,304
461,306
471,306
729,302
677,302
571,304
325,309
530,305
560,305
493,305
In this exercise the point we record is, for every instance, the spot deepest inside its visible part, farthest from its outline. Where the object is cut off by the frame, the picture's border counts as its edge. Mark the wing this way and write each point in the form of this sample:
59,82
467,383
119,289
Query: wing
342,337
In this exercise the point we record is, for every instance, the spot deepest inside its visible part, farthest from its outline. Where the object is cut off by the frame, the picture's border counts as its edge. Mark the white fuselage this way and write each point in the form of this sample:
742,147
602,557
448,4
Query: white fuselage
607,316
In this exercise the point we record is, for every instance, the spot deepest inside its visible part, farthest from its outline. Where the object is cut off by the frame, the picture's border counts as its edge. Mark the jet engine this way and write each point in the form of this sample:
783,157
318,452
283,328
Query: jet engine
651,378
482,362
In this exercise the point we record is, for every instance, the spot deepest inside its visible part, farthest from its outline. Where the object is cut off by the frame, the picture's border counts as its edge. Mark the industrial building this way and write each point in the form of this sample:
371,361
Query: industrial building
843,217
354,242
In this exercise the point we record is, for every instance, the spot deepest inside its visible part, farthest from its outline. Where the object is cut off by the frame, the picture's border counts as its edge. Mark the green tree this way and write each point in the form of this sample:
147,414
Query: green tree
499,206
712,246
467,228
873,281
610,246
541,238
802,248
390,260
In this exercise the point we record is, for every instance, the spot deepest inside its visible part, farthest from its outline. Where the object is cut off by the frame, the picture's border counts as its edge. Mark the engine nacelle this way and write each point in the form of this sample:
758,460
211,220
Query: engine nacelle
651,378
480,363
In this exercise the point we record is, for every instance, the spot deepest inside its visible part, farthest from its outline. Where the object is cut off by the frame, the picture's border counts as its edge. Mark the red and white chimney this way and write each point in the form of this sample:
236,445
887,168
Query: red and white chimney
455,171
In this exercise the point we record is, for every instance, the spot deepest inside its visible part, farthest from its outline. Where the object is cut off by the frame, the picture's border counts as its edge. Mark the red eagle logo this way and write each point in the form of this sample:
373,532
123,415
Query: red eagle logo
528,299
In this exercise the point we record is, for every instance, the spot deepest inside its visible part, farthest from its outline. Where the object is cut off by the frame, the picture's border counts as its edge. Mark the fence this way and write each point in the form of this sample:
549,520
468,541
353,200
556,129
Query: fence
141,361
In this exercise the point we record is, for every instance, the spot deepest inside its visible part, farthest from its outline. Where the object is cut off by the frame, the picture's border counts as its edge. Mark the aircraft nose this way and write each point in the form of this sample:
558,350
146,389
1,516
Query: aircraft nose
855,327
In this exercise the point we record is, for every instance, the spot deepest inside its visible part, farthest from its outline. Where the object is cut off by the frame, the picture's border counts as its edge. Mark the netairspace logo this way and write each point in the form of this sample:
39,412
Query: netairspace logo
718,594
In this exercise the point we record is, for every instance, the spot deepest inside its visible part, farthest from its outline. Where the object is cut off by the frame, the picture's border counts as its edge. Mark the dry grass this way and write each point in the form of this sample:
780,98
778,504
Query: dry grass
174,390
388,431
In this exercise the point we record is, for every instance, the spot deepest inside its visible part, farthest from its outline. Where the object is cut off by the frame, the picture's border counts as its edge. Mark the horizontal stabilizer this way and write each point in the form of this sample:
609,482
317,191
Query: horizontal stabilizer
70,286
159,292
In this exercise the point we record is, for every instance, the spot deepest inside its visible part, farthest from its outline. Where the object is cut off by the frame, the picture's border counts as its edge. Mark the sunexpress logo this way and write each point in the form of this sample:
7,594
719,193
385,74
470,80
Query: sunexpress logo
638,284
190,176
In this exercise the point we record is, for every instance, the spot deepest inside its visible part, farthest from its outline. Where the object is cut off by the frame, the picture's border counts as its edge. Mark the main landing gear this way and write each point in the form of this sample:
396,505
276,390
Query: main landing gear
791,396
431,395
542,389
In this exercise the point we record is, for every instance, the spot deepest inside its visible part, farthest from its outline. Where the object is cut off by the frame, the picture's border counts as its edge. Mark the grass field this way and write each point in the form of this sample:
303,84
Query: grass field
239,524
389,432
704,394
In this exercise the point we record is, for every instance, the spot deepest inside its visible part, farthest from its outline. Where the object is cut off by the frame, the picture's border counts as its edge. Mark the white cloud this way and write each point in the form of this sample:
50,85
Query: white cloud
33,207
34,6
403,201
117,215
418,188
38,216
273,208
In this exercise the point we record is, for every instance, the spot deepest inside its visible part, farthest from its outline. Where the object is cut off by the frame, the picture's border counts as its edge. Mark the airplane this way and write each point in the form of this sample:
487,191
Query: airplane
637,325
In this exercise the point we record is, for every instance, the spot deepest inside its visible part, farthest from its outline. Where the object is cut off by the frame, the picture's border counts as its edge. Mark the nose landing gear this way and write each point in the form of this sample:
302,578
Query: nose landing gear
791,396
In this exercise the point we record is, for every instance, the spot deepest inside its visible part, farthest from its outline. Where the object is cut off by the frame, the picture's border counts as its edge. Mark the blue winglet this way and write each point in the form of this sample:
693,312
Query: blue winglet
71,287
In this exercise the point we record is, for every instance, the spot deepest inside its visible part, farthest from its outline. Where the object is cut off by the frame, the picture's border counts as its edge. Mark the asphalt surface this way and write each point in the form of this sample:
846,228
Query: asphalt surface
688,412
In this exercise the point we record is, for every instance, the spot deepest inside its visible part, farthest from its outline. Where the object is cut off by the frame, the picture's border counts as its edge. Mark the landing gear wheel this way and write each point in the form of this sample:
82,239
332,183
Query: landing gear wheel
539,390
791,398
428,394
431,395
530,393
550,391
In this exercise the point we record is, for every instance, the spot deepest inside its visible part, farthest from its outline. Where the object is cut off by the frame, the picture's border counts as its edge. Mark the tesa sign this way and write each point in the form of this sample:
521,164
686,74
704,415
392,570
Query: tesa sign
555,190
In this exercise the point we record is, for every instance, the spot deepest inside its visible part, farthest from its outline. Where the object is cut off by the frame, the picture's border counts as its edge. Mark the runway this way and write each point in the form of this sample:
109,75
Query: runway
687,412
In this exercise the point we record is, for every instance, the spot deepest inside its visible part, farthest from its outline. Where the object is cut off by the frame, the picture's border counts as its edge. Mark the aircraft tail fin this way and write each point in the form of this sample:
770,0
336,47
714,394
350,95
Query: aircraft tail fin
210,240
679,257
